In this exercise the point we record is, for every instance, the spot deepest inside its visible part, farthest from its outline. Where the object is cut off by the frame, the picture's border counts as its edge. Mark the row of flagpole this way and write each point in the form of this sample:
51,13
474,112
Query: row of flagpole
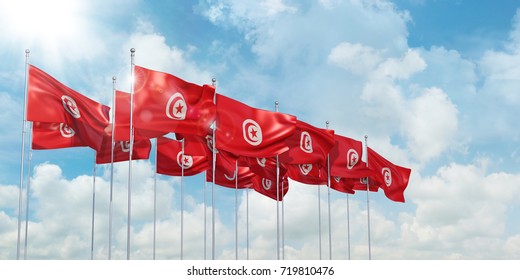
214,151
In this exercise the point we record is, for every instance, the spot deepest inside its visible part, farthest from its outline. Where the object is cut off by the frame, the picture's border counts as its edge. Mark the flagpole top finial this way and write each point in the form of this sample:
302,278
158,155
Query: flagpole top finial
213,80
366,137
276,103
27,51
114,78
132,50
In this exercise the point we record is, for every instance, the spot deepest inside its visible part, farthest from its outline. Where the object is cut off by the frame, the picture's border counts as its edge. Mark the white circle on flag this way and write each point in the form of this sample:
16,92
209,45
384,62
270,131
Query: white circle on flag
209,142
352,158
125,146
266,183
261,161
70,106
66,131
306,142
252,132
176,107
186,161
387,176
305,168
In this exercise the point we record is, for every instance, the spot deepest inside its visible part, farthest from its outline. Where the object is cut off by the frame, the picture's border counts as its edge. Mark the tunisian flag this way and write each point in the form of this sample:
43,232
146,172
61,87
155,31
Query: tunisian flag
345,159
308,144
50,101
141,150
247,131
54,136
267,186
170,159
307,173
165,103
392,178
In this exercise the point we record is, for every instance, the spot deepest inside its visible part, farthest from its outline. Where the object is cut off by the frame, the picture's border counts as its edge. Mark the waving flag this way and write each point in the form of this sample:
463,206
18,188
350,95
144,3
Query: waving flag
267,186
308,144
171,161
247,131
50,101
165,103
141,150
307,173
54,136
227,178
392,178
344,185
345,159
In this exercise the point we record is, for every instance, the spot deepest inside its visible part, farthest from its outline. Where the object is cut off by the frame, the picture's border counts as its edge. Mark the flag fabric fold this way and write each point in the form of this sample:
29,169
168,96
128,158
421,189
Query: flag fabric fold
54,136
247,131
50,101
140,150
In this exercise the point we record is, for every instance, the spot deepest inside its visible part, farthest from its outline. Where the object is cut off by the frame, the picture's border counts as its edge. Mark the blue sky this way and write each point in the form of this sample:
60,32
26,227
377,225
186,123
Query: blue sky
434,85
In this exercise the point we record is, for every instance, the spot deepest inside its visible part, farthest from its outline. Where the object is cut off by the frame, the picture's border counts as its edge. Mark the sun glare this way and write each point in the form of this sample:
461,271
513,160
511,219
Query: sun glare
43,21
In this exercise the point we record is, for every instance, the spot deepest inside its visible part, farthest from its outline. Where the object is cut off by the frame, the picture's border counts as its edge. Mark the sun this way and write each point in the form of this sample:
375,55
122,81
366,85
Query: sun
40,21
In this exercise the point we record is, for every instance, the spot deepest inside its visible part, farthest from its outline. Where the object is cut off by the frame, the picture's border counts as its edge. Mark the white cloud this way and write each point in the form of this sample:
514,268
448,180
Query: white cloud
356,58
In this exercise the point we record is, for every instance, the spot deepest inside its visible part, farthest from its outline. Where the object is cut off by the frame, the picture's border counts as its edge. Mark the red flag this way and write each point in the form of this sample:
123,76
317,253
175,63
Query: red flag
307,173
360,184
227,178
308,144
267,186
140,150
54,136
247,131
166,103
345,159
392,178
343,185
52,102
170,160
122,120
264,167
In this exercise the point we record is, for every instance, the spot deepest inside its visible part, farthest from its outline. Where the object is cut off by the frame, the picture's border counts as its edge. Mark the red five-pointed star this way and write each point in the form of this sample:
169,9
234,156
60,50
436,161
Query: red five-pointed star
179,108
253,132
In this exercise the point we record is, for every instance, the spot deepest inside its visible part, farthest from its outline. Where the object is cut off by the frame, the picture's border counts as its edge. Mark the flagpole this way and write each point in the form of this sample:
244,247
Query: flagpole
205,219
348,226
368,202
319,220
277,199
182,198
214,83
27,195
24,125
155,200
283,226
328,200
236,210
93,206
132,54
247,224
112,168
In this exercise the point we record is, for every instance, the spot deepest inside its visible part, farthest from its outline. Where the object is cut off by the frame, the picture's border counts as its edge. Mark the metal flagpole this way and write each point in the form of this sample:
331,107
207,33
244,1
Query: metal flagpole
155,202
182,199
205,221
24,125
348,226
214,140
319,220
236,210
112,168
368,201
247,224
28,191
93,207
132,54
277,199
328,201
283,226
